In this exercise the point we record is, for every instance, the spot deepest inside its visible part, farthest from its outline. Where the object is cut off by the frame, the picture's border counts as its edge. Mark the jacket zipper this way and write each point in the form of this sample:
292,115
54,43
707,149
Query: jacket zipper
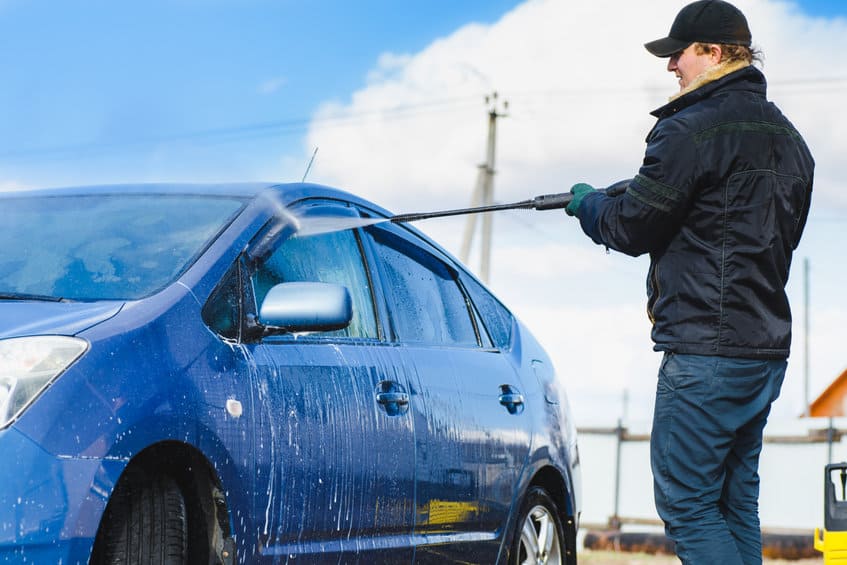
654,282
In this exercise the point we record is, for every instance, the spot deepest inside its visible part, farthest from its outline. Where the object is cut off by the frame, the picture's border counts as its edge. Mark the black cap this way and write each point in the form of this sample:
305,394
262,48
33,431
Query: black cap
704,21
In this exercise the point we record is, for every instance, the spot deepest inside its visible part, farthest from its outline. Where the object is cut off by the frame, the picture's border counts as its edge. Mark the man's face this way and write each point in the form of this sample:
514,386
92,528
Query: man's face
689,63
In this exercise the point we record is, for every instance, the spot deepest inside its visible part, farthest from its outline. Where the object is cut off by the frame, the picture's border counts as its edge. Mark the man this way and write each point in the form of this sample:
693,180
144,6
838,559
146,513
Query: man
719,203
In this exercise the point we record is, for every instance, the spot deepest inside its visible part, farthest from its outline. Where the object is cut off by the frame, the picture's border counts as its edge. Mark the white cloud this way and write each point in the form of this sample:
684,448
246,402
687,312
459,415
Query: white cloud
10,185
580,86
272,85
388,65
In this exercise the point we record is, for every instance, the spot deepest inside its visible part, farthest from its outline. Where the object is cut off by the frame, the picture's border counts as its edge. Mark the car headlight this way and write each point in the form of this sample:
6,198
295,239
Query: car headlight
28,365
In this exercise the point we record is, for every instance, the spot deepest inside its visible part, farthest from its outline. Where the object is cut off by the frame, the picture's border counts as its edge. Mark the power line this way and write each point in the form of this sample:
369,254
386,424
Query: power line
277,128
282,128
617,90
807,81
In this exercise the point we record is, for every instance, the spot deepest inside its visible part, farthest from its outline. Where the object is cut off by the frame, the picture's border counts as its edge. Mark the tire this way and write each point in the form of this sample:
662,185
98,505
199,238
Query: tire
539,536
144,524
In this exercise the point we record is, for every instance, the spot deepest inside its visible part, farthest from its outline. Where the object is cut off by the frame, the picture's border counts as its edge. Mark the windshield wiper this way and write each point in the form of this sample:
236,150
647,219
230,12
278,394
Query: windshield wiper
25,296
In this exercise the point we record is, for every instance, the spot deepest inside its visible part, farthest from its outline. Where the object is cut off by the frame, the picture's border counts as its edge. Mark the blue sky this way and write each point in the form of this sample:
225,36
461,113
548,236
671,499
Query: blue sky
97,84
824,7
101,90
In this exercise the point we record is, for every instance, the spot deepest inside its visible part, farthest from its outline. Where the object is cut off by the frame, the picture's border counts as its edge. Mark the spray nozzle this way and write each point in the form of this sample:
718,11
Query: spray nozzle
552,201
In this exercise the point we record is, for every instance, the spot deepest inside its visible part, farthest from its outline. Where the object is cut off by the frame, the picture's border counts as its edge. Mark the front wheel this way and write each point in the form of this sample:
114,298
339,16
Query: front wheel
145,524
539,535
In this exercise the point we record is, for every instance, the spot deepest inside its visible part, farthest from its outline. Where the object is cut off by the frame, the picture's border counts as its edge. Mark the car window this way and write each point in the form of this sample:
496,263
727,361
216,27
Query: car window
332,258
426,305
223,312
104,246
495,317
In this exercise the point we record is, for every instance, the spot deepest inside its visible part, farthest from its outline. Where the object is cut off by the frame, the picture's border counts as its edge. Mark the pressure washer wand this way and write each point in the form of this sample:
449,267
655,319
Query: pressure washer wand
524,204
543,202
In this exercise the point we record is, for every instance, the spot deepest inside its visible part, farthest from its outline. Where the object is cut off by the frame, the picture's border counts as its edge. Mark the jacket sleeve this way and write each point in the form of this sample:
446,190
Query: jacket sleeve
644,218
804,214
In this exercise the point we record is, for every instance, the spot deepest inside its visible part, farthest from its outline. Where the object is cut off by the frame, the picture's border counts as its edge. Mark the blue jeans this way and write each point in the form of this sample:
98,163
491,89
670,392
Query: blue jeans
704,450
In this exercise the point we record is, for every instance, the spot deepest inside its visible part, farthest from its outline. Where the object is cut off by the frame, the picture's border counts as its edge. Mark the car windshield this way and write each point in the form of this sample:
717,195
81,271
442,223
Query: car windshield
105,246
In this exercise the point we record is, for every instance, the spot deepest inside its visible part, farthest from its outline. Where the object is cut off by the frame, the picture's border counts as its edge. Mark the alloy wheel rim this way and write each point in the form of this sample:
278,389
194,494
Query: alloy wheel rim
540,539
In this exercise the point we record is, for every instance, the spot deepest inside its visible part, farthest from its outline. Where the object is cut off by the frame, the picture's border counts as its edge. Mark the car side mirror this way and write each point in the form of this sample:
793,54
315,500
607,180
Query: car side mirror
306,307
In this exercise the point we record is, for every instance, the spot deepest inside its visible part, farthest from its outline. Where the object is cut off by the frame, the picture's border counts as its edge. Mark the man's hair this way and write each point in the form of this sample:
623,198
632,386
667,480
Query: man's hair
732,53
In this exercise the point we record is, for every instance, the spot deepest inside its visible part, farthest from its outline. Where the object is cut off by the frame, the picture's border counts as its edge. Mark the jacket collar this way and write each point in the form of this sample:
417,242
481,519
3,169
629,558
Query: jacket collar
737,75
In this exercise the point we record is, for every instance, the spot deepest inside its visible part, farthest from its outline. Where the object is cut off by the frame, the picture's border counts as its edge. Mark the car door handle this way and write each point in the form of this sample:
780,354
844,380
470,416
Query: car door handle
399,398
392,398
511,399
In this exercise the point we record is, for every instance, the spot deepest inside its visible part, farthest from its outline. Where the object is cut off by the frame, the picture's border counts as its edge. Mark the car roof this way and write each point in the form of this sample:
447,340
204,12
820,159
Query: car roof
285,192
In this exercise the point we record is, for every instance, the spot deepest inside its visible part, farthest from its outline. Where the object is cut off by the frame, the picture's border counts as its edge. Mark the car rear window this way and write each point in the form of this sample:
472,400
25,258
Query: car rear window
426,305
105,246
496,318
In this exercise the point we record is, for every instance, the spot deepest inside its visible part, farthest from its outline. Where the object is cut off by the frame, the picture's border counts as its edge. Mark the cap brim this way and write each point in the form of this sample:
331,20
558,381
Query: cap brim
666,46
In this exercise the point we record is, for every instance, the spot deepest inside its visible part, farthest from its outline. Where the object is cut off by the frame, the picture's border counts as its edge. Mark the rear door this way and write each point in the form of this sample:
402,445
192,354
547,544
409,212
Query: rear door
337,464
472,434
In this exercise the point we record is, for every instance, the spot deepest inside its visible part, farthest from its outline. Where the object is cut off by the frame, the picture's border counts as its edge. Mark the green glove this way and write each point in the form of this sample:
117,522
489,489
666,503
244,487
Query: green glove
579,191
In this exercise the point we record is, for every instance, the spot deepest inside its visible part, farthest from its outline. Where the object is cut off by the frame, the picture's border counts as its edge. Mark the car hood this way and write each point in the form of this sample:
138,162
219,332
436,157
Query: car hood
23,318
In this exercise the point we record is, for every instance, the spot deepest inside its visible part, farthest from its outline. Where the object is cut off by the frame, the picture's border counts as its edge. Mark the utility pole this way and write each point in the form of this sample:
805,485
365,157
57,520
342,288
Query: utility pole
806,401
483,194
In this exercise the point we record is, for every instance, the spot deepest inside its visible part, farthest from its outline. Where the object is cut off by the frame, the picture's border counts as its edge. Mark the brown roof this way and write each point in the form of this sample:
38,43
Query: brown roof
831,402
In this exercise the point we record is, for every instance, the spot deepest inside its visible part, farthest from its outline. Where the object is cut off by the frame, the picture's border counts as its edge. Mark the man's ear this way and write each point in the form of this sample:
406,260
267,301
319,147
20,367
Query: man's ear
715,53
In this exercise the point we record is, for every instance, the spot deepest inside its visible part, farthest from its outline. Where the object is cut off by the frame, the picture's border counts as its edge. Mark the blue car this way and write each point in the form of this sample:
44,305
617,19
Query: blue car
253,373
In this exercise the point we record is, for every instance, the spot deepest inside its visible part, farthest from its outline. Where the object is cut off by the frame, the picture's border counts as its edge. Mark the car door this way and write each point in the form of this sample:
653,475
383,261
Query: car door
338,455
472,436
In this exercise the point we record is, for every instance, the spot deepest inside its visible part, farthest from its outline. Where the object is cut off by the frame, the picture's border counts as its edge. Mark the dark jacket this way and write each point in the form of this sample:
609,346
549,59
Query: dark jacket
720,203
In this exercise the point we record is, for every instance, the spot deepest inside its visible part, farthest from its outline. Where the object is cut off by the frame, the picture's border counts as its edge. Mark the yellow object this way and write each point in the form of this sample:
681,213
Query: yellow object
832,540
833,545
449,511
